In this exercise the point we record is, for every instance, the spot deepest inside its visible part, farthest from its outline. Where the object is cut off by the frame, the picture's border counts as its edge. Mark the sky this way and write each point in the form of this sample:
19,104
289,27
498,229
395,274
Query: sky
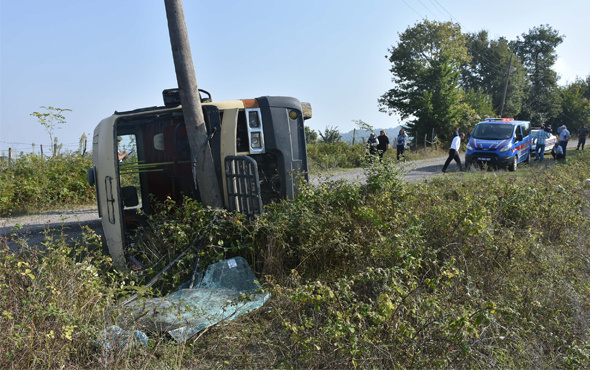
95,57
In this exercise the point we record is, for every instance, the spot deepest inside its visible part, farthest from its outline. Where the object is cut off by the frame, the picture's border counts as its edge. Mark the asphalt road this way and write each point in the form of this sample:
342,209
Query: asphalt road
35,227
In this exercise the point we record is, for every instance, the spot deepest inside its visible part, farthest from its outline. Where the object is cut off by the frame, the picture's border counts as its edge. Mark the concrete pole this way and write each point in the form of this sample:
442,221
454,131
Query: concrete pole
203,166
506,87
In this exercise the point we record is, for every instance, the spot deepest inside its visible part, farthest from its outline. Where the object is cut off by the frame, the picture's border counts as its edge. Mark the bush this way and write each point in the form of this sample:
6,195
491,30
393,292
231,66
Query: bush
487,272
32,184
52,305
323,156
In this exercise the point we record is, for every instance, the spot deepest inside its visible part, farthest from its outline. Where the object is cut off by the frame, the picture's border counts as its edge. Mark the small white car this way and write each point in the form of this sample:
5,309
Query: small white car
549,143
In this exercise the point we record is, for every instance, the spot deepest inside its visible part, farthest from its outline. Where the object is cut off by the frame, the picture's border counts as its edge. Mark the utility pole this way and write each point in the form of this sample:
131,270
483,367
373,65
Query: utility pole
506,86
202,159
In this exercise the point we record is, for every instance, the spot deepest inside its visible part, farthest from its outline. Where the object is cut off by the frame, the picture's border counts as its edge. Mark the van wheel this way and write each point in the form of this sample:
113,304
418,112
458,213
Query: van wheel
514,164
528,158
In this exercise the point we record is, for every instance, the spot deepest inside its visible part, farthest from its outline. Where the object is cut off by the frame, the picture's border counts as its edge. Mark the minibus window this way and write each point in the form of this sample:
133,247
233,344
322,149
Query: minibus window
128,171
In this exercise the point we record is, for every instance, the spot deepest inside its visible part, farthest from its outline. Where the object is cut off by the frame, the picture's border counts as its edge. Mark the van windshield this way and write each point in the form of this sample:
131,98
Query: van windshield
491,131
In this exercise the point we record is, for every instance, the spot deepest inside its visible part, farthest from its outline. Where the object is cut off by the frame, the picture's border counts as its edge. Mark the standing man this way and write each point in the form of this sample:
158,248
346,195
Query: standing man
383,144
582,132
372,142
564,136
541,136
454,152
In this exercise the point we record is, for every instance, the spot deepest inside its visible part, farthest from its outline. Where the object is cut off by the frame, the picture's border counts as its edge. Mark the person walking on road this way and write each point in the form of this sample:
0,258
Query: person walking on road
383,144
454,152
564,137
401,144
582,133
372,142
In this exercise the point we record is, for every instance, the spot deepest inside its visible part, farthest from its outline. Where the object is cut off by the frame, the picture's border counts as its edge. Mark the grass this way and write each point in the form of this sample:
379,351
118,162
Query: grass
486,272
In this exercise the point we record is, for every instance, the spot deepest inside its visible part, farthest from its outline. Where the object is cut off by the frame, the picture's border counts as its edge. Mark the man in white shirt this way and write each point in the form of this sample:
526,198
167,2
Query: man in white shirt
564,136
454,152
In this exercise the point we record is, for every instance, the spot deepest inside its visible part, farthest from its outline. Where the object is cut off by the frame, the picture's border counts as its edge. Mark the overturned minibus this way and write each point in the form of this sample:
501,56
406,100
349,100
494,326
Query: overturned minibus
143,156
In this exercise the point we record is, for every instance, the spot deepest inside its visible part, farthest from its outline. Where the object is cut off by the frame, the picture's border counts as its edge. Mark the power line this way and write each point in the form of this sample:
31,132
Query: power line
428,9
491,61
450,15
408,5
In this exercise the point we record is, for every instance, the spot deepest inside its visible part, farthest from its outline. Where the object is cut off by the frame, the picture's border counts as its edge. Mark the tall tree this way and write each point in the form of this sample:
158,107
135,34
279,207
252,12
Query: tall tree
587,93
537,51
426,68
575,107
487,72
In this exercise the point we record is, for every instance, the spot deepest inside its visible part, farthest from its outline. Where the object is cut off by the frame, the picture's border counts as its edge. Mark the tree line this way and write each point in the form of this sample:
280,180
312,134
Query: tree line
445,78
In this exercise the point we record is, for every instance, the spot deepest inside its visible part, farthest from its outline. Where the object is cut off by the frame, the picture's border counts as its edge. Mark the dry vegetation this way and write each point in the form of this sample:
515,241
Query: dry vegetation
487,272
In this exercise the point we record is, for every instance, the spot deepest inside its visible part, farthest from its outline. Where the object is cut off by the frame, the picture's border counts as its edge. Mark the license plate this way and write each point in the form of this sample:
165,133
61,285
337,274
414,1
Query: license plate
484,159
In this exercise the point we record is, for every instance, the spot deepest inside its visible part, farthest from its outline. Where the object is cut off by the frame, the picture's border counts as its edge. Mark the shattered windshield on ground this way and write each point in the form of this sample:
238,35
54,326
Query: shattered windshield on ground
227,290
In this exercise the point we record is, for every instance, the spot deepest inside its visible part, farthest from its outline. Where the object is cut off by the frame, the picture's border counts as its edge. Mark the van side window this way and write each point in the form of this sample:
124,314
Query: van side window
526,129
518,133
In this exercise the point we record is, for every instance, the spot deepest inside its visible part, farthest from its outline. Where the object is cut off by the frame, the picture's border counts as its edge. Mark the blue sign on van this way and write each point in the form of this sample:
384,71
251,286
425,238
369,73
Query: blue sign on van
499,143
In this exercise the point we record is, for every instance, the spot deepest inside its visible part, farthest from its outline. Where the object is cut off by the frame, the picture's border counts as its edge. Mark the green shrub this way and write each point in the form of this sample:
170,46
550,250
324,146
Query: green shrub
32,184
323,156
487,272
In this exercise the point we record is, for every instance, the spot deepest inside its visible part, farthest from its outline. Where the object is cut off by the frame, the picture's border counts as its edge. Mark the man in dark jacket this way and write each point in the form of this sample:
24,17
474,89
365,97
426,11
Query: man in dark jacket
582,133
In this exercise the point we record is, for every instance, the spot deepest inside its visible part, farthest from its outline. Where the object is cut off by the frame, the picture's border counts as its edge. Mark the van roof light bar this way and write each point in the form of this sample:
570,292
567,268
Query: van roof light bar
499,119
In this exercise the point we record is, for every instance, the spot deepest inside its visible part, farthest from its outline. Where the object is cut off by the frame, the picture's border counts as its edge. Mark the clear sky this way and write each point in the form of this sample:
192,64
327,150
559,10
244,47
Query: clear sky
95,57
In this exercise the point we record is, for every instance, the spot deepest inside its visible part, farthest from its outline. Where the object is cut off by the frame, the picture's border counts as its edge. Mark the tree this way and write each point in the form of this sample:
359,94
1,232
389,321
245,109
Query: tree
475,106
331,135
51,120
426,67
311,136
362,125
575,108
536,50
487,71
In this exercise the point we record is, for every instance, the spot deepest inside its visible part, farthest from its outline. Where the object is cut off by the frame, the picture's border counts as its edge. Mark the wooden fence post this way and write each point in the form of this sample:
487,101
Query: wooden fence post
9,155
432,147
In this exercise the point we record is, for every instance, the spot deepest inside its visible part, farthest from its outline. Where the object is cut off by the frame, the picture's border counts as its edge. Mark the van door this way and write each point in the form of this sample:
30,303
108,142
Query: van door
521,145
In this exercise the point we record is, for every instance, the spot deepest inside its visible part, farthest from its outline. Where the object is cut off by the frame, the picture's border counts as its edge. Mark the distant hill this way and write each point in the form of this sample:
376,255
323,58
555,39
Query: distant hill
361,135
